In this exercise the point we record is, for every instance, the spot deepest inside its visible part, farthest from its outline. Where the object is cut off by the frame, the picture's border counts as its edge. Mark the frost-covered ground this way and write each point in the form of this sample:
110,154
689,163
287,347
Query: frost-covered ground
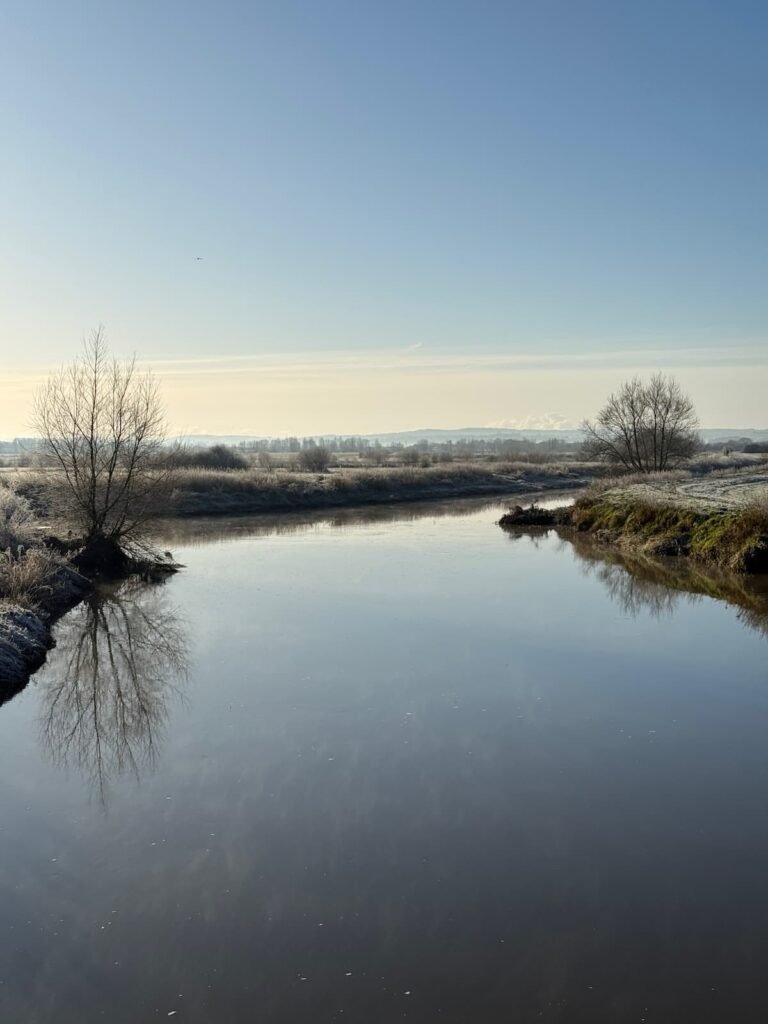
715,493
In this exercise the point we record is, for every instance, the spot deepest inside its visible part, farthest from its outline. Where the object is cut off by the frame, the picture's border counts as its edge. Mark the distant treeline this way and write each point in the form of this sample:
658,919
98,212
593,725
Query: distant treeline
362,445
319,452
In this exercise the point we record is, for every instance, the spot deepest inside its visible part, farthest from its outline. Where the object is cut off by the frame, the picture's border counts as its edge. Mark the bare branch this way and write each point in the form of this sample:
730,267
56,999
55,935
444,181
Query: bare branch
644,427
102,426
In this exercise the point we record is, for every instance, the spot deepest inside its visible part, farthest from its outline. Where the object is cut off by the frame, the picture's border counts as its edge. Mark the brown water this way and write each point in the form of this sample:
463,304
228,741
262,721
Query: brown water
394,764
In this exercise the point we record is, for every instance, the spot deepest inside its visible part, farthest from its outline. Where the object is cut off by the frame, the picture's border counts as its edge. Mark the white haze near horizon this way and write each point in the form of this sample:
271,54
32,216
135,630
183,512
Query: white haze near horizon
306,394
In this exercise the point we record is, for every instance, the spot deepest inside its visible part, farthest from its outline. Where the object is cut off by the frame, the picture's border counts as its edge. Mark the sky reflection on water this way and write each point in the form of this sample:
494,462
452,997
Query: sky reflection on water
399,765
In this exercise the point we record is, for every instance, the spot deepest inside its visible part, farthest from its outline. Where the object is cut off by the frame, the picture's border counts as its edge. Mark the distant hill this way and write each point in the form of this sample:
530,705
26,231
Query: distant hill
19,445
437,436
474,434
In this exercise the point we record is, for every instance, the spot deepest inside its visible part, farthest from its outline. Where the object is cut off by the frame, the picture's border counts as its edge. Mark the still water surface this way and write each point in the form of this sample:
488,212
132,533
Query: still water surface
394,764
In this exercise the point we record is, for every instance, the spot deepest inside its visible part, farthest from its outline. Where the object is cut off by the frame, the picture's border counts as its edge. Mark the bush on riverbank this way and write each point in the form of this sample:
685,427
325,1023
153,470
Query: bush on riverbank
17,520
26,567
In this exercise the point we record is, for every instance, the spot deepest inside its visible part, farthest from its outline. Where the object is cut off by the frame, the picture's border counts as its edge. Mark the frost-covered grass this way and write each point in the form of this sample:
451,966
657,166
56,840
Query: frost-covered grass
17,520
711,469
712,462
723,521
27,577
339,479
210,491
201,491
27,568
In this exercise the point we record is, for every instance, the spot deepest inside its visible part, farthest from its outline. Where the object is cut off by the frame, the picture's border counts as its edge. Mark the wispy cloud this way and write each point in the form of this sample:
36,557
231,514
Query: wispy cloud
415,360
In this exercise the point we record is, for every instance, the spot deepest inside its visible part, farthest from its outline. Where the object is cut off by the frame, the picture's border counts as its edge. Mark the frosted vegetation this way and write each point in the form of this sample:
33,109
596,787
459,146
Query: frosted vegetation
17,520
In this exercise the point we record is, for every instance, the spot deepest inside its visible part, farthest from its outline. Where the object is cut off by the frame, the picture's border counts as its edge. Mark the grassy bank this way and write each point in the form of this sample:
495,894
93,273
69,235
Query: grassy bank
665,520
227,492
36,585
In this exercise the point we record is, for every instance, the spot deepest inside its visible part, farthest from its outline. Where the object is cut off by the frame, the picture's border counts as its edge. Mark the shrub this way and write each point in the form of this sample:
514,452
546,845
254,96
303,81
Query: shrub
218,456
315,460
411,457
17,520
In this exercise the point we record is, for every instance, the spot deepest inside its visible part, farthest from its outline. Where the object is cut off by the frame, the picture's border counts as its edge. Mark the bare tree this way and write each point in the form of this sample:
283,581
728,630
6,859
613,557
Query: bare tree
102,427
644,427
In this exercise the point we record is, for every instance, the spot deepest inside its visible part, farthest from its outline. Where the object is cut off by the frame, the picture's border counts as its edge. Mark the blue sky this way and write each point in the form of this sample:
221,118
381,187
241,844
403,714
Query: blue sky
529,179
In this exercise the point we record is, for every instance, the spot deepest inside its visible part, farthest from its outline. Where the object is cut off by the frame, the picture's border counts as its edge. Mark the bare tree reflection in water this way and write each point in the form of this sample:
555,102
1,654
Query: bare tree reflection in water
635,593
120,657
642,584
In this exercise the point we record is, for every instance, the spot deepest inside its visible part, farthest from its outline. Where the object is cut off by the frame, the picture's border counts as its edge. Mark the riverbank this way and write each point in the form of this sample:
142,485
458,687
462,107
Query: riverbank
231,492
41,583
26,624
721,522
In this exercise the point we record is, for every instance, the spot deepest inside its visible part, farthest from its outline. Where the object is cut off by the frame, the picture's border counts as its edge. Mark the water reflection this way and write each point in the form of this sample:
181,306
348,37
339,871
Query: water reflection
425,771
120,657
206,530
658,585
635,587
638,583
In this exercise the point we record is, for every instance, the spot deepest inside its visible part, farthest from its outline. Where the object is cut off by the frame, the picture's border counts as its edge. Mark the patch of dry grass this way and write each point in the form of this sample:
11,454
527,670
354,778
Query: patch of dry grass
27,580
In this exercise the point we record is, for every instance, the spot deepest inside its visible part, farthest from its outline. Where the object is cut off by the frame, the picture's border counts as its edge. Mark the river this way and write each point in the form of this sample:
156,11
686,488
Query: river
388,764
